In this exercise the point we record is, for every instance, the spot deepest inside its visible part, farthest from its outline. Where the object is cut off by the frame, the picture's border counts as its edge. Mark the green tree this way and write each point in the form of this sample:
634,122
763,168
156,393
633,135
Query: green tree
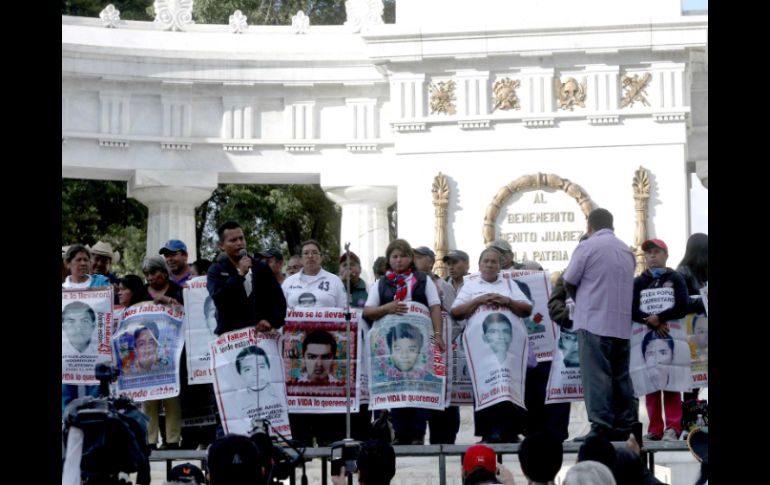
129,9
279,12
271,216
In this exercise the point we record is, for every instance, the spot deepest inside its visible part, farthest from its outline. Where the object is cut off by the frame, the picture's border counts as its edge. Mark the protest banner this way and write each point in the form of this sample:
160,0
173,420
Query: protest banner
496,345
565,382
200,323
86,333
314,350
406,368
540,329
248,376
698,340
657,362
147,347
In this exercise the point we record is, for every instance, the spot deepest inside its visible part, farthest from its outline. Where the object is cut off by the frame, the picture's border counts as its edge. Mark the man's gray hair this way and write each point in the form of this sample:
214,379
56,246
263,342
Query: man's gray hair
589,473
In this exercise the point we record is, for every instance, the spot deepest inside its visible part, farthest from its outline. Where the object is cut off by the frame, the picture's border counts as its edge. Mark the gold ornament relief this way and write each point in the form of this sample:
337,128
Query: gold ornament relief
570,93
641,186
440,205
442,97
634,87
505,94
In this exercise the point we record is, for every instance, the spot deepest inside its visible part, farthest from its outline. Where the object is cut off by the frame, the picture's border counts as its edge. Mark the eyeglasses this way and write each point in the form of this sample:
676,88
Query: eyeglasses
311,253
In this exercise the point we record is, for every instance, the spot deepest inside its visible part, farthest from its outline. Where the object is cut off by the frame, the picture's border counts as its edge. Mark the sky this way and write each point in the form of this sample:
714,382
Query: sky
695,4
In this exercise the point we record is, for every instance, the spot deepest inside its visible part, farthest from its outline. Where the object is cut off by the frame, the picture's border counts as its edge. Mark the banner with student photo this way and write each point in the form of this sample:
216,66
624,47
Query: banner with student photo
565,382
314,349
200,323
447,323
496,344
704,293
247,371
461,385
660,362
698,340
147,347
540,329
406,368
86,333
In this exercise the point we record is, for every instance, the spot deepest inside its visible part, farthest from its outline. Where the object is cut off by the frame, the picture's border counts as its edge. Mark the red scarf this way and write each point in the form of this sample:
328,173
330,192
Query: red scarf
400,280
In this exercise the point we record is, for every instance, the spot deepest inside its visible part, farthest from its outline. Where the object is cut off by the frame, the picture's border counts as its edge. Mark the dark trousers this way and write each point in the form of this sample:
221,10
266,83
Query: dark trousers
444,425
553,418
607,388
409,424
500,423
325,428
361,423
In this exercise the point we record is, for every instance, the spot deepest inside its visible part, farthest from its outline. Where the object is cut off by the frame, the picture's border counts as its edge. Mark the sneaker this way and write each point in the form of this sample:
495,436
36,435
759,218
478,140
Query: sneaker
669,435
651,437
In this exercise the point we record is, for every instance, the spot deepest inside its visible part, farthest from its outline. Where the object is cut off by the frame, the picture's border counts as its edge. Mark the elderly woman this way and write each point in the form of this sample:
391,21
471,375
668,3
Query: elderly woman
403,283
78,261
311,287
163,291
502,422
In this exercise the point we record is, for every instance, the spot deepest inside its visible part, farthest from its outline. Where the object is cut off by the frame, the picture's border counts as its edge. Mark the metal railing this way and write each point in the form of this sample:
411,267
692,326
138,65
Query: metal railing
441,451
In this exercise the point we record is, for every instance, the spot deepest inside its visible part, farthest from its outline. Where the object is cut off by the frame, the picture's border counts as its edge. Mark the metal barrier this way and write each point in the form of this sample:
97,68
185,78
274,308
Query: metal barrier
442,451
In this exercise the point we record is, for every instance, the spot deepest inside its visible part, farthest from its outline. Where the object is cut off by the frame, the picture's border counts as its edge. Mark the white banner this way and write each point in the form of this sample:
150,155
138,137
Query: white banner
407,370
660,363
704,293
147,347
362,360
698,340
540,329
496,344
86,333
462,386
314,353
248,380
565,382
200,323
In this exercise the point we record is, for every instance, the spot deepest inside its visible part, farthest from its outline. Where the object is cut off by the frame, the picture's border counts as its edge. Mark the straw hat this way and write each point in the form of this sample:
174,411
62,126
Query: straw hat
105,249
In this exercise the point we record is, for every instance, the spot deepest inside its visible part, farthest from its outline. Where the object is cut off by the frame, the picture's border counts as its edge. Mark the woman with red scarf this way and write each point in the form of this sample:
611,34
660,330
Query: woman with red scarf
403,283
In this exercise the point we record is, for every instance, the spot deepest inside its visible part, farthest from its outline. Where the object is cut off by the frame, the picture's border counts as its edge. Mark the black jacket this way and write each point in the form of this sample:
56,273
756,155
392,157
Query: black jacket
681,298
234,309
557,306
693,289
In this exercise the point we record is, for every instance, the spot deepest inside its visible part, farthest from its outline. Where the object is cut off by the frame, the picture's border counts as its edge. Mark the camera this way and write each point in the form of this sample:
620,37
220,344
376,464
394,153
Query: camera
112,433
280,455
345,452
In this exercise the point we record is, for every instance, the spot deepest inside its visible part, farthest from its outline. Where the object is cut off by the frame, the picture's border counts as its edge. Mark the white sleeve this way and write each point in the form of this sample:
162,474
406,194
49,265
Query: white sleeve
431,293
340,297
373,299
464,296
285,288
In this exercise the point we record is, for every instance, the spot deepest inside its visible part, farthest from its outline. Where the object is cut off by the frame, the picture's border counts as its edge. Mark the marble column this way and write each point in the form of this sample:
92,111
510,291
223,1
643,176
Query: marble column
364,221
171,197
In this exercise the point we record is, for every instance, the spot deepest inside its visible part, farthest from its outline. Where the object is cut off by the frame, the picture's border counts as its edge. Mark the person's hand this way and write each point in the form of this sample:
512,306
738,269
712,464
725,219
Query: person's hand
344,272
662,329
396,307
340,479
632,445
264,326
653,321
244,264
438,339
504,475
165,300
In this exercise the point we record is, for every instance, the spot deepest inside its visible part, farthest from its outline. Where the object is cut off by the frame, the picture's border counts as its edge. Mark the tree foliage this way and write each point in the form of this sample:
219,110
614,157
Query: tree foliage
129,9
279,216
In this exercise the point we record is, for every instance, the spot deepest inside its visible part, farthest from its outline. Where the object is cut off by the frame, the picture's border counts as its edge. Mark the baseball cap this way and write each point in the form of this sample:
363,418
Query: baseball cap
425,251
480,455
272,253
654,243
454,255
501,245
172,246
234,458
187,473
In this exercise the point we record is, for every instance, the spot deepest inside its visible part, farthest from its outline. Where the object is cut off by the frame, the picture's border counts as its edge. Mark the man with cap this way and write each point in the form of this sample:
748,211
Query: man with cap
600,279
443,424
186,473
102,258
273,258
175,252
505,249
236,460
293,265
480,467
458,267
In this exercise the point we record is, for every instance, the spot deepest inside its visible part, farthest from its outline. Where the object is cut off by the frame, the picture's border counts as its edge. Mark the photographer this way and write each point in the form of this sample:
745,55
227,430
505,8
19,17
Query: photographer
235,460
376,465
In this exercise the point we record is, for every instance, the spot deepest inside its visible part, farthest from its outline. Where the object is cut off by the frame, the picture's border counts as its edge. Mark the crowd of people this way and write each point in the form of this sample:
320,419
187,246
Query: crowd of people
593,301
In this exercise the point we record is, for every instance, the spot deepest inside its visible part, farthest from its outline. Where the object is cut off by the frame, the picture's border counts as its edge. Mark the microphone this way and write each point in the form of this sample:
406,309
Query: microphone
242,253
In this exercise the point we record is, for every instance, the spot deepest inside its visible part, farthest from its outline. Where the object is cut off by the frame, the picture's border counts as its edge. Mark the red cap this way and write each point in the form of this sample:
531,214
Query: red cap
480,455
654,242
